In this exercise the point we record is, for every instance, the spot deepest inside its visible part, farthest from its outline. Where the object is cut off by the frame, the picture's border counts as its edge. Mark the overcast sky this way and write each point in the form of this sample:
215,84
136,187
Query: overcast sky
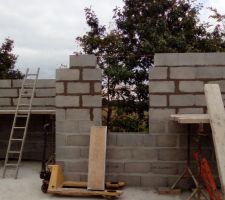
44,31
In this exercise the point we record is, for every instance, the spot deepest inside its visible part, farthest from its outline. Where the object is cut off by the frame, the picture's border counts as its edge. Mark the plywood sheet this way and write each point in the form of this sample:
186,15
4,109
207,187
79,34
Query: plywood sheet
97,156
216,112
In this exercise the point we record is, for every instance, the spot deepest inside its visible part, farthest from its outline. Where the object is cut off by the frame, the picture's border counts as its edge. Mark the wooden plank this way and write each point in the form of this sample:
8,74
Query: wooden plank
216,112
97,156
190,118
35,112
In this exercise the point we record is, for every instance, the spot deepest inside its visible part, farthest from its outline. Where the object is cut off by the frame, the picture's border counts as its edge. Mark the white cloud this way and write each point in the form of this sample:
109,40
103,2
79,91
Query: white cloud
44,31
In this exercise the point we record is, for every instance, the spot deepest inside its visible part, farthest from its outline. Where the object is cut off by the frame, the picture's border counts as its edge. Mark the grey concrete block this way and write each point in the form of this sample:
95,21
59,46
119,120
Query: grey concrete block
85,125
60,87
5,101
137,167
77,166
97,87
111,139
66,126
164,168
189,59
161,87
97,112
78,114
92,74
183,72
158,100
8,93
200,100
154,181
44,101
84,152
78,140
158,73
144,154
221,84
210,72
45,83
60,140
5,83
156,126
191,86
149,140
60,114
114,167
80,88
72,176
169,154
67,101
160,114
83,61
92,100
214,58
129,139
118,153
182,100
166,140
174,127
67,74
48,92
166,59
131,180
190,111
67,152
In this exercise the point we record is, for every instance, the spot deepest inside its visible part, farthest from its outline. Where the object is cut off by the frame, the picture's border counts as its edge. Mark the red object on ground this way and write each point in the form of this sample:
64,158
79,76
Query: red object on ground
207,177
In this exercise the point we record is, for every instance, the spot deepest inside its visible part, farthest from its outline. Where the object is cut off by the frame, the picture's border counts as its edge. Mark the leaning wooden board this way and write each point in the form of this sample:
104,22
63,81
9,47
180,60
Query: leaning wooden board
216,113
97,156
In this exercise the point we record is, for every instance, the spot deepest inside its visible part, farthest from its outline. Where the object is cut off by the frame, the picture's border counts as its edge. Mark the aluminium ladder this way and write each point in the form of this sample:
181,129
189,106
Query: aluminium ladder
22,115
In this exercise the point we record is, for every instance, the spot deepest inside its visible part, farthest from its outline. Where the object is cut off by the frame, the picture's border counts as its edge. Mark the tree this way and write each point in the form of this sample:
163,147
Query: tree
125,53
7,61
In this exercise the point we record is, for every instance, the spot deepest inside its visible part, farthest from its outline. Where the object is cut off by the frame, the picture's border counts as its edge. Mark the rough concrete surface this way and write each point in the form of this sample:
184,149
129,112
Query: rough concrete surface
28,184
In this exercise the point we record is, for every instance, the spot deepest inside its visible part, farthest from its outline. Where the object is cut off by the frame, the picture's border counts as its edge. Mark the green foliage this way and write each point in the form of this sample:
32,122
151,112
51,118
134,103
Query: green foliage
7,61
125,53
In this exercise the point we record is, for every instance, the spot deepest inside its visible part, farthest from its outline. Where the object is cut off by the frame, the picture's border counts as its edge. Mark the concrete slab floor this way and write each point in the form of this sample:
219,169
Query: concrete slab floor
28,184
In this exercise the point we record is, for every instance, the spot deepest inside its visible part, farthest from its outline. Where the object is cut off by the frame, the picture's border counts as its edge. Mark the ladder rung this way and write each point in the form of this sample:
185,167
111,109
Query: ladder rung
25,95
16,139
11,164
24,105
31,74
13,151
20,115
19,127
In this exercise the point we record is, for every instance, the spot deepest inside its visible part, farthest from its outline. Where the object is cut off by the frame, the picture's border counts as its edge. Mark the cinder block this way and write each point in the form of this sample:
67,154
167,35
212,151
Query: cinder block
158,100
71,176
154,181
114,167
67,74
67,152
84,152
161,86
174,127
221,84
166,59
45,83
60,140
129,139
8,93
97,87
131,180
169,154
78,140
80,88
44,101
149,140
78,114
5,83
158,73
191,86
118,153
85,125
137,167
182,100
92,74
111,139
190,111
144,154
77,166
166,140
60,87
48,92
210,72
60,114
83,61
156,126
97,112
200,100
160,114
217,58
5,102
164,168
183,72
67,101
67,126
92,100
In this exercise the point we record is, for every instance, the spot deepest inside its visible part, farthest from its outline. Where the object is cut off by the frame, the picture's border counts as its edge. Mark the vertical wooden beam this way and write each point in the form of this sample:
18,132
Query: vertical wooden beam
97,157
216,112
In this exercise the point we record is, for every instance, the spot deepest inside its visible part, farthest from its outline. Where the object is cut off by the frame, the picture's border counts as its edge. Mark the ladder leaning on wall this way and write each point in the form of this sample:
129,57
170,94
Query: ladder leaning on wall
22,116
